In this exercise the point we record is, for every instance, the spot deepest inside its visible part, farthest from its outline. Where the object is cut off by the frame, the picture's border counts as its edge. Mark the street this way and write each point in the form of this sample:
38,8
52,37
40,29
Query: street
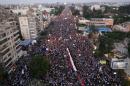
71,57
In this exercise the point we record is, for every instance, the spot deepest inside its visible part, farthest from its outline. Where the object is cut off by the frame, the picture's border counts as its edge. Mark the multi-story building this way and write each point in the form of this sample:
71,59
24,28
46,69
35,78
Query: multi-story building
97,21
23,21
32,20
32,23
119,28
28,27
10,50
102,21
124,27
21,11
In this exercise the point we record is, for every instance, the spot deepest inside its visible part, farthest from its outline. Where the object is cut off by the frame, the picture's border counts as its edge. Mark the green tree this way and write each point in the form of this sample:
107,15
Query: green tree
106,45
57,10
87,13
42,35
124,9
3,76
108,39
74,11
39,66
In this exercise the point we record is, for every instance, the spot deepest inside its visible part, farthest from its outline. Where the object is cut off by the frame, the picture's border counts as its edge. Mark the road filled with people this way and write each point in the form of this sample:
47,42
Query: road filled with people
71,57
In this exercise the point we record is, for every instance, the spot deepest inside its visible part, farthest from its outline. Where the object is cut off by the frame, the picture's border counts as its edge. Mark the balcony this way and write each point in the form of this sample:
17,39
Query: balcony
3,41
5,51
4,46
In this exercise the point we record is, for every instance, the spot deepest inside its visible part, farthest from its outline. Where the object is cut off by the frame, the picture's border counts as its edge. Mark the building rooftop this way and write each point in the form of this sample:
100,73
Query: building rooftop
25,42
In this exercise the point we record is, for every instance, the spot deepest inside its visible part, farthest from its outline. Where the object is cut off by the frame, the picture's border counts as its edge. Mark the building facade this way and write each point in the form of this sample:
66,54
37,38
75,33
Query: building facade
28,27
97,21
10,50
102,21
120,28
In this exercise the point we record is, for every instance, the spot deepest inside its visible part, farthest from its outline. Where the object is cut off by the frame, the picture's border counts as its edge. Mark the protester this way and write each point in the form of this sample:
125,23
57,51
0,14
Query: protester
63,36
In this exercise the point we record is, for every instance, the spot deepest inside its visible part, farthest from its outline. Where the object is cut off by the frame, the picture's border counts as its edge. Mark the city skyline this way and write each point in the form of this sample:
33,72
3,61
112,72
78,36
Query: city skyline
54,1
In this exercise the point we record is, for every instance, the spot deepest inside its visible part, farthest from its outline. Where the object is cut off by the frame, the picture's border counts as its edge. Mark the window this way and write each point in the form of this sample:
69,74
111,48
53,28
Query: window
8,61
3,41
3,47
2,35
6,51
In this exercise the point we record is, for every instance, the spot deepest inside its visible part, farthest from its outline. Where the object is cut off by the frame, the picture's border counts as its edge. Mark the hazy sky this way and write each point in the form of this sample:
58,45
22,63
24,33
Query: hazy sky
53,1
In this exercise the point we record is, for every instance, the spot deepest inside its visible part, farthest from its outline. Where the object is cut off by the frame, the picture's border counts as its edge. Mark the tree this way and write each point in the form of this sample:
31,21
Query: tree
106,45
108,39
124,9
36,82
87,13
43,35
57,10
74,11
3,76
39,66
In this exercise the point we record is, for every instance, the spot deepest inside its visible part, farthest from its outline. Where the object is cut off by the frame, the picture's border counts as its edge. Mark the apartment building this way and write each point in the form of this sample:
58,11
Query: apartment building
119,28
124,27
10,50
97,21
32,20
30,24
28,27
102,21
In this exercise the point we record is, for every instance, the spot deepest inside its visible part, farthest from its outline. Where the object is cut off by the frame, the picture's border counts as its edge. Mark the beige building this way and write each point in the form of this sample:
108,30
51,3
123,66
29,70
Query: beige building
120,28
10,50
97,21
102,21
28,27
33,20
124,27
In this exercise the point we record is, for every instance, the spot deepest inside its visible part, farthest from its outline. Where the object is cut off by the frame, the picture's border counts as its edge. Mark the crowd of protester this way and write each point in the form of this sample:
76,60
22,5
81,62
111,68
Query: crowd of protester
21,76
89,71
63,36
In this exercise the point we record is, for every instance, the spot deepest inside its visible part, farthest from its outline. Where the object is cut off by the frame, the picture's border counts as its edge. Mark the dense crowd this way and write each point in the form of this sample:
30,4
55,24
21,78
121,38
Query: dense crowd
21,75
89,71
63,36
